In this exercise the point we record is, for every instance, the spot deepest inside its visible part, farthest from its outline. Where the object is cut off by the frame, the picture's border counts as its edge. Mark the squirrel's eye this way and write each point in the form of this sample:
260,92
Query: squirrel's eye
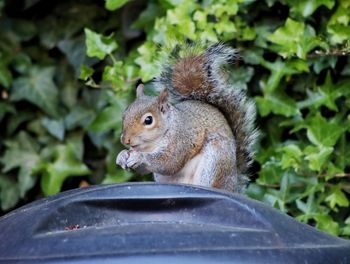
148,120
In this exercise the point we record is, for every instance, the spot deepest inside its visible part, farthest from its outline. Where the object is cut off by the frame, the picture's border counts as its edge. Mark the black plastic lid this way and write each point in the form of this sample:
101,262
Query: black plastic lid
160,223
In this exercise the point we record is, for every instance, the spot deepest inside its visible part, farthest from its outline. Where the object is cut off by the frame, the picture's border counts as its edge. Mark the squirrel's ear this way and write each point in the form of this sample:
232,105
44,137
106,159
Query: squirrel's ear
163,101
139,90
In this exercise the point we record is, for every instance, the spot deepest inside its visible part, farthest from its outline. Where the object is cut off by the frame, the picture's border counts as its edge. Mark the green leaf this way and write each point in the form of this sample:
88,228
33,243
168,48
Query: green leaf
75,50
338,24
241,76
288,37
98,45
22,63
327,224
55,127
22,153
280,69
148,16
308,7
9,193
324,62
331,92
310,207
146,60
15,120
326,94
180,16
65,164
323,133
337,198
109,118
80,116
270,173
277,103
255,191
295,38
114,74
85,72
317,156
5,75
37,88
69,93
292,157
117,177
115,4
6,108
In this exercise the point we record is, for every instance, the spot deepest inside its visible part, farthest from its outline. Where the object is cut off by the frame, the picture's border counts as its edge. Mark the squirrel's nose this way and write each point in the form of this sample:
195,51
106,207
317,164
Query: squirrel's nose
124,140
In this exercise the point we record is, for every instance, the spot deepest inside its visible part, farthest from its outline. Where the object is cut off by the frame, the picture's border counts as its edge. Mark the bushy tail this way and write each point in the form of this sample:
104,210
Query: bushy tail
202,77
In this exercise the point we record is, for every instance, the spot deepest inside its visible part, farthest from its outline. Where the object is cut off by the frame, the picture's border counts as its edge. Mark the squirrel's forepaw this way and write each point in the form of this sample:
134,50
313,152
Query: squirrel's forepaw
122,159
134,160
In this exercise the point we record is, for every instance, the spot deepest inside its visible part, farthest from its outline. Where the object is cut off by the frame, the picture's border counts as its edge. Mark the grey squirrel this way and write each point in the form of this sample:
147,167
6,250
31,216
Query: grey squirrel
205,138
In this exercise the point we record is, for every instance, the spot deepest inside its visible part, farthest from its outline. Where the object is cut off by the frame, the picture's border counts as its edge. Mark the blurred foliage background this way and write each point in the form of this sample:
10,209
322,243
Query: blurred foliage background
69,68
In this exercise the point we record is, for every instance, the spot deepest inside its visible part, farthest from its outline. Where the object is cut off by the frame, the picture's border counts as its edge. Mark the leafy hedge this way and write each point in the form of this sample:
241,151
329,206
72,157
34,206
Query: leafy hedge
295,61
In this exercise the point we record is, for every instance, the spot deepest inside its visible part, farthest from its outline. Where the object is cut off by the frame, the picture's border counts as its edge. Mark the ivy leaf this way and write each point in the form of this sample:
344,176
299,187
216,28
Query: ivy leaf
15,120
326,223
109,118
9,193
98,45
326,95
317,156
323,133
279,69
340,33
308,208
148,16
22,153
6,108
114,74
180,17
308,7
75,50
241,76
337,197
147,57
288,37
324,62
37,88
22,63
346,228
115,4
5,75
54,127
295,38
65,164
292,157
338,25
85,72
270,173
277,103
80,116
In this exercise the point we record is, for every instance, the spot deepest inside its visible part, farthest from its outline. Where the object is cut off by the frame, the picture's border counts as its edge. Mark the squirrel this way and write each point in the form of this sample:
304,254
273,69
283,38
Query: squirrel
205,137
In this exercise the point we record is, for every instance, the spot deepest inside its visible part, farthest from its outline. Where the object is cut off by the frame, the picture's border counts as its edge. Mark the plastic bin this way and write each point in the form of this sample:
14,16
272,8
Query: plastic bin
160,223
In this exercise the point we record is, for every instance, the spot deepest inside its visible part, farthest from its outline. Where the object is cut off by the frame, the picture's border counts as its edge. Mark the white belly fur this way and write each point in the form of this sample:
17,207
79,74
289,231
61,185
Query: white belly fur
188,174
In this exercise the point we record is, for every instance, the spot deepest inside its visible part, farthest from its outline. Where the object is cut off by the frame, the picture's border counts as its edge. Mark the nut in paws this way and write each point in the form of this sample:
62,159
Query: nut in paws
134,160
122,159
